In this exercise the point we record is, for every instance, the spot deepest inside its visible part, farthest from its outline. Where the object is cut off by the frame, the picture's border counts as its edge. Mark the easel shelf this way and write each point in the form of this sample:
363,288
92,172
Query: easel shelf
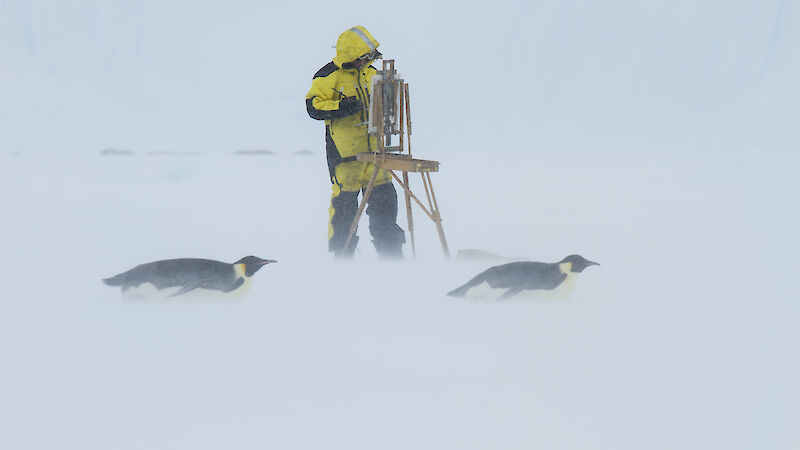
401,163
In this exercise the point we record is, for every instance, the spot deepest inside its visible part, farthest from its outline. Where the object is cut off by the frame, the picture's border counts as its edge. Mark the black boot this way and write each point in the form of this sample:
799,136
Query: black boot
392,250
346,253
387,236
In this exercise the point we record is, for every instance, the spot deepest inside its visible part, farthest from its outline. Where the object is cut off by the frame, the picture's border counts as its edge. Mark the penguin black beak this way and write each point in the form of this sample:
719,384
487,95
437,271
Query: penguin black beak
267,261
592,263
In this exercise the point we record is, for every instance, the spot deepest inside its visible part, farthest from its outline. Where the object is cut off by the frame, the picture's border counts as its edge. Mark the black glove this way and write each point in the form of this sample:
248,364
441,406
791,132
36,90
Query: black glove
349,105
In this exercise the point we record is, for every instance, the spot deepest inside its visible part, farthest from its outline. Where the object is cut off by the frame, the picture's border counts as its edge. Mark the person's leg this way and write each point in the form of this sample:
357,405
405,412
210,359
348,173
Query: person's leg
387,236
344,204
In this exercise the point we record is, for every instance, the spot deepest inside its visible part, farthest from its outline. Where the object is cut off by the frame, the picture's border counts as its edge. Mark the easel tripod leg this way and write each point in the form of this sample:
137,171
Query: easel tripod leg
437,218
408,214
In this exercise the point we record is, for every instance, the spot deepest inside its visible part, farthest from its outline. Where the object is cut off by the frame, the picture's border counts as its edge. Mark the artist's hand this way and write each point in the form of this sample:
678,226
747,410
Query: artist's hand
350,105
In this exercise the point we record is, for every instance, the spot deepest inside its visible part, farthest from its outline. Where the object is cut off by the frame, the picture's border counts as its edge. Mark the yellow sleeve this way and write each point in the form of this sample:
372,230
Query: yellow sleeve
322,94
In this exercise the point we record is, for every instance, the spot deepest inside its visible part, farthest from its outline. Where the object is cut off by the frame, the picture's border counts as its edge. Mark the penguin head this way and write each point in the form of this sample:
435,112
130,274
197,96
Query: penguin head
578,263
253,263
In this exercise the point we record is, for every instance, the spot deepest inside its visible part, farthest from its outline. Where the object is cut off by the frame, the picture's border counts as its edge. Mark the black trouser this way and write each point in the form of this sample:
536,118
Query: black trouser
387,236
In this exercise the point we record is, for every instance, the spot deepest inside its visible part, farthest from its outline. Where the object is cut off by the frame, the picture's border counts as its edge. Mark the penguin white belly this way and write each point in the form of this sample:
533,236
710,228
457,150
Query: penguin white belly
150,291
483,290
243,289
562,291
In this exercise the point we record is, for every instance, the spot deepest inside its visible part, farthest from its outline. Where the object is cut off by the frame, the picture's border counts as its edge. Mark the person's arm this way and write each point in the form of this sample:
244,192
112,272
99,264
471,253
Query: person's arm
332,109
324,102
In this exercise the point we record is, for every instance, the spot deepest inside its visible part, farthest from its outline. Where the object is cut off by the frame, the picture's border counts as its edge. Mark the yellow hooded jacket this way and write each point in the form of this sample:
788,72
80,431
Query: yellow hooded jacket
345,128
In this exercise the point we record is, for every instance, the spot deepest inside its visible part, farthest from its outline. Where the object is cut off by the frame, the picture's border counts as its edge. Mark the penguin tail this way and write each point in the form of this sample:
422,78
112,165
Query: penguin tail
116,280
462,291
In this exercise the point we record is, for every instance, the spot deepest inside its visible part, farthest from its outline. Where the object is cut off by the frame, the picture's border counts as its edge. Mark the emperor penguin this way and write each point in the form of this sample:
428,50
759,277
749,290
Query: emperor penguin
195,276
526,279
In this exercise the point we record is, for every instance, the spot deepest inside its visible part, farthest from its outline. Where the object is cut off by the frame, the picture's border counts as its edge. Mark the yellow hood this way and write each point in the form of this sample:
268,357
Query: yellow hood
353,43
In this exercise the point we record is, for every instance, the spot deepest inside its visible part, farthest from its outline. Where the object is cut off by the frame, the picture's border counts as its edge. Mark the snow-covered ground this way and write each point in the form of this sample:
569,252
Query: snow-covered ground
659,140
685,337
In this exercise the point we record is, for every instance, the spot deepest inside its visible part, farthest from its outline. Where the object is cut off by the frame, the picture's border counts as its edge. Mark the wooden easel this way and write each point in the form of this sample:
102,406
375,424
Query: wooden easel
390,114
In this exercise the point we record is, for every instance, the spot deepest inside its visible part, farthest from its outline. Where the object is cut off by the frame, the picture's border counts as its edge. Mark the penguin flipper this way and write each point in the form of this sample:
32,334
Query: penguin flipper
206,284
186,288
236,284
510,293
553,283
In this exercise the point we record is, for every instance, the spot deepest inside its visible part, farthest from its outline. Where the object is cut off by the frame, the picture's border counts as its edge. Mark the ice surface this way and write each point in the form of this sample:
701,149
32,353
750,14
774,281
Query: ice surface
684,337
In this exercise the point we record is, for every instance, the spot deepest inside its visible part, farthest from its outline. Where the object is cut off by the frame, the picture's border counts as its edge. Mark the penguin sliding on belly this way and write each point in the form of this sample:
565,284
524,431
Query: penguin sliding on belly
198,277
526,279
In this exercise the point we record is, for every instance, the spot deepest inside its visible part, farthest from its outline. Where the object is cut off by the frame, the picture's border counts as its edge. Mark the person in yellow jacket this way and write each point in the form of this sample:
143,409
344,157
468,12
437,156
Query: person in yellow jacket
340,95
